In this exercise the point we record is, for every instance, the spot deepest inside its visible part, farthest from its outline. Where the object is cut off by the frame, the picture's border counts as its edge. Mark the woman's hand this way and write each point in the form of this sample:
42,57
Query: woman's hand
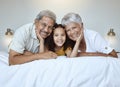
80,37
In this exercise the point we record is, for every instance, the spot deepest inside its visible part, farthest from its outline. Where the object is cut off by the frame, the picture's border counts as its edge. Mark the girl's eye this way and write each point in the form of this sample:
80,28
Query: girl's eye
63,35
68,30
55,35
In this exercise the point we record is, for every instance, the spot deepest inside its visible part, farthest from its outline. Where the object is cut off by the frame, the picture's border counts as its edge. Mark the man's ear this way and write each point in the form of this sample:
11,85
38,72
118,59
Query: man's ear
36,21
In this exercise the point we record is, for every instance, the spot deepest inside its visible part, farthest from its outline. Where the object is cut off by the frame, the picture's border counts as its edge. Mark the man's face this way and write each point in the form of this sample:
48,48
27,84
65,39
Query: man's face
44,26
73,30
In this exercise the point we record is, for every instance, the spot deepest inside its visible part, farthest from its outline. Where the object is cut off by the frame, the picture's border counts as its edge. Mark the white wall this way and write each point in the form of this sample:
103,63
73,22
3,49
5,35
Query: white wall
99,15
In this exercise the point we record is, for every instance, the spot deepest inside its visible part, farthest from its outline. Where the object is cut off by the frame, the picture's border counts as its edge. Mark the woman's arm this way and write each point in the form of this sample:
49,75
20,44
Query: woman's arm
75,49
112,54
74,52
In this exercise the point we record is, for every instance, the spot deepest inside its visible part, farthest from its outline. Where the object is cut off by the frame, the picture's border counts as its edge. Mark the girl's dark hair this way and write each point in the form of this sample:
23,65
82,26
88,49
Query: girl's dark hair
49,42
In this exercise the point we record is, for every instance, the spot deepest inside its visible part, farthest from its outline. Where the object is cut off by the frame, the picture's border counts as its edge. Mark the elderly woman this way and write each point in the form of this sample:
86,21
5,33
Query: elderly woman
89,42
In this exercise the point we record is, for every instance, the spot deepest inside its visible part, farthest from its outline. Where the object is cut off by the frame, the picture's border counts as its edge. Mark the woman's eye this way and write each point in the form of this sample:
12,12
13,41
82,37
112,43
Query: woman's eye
73,27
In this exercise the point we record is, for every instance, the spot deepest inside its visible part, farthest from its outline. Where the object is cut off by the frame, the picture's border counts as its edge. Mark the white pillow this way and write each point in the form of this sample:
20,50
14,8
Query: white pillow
118,55
4,57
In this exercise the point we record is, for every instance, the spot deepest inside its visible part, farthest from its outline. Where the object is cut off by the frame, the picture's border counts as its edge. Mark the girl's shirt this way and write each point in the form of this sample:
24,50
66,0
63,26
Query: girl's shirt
61,52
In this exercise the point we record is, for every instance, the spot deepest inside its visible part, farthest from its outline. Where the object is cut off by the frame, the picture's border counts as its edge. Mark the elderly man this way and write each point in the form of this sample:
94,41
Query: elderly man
25,46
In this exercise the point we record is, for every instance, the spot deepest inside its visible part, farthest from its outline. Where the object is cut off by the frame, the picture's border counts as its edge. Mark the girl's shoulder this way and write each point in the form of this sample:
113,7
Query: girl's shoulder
68,48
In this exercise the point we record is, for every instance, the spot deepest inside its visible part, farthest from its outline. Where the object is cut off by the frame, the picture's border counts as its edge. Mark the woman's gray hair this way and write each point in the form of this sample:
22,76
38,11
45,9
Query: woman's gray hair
71,17
46,13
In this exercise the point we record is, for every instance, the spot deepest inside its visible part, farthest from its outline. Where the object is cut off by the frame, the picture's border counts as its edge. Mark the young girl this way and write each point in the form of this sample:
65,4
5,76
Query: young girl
60,43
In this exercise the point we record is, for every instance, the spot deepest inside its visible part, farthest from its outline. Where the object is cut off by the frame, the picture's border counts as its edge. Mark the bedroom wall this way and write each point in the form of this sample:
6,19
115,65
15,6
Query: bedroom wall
99,15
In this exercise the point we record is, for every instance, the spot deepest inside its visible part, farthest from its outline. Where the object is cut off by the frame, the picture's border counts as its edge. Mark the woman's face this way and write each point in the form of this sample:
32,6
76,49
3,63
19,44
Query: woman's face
59,36
74,30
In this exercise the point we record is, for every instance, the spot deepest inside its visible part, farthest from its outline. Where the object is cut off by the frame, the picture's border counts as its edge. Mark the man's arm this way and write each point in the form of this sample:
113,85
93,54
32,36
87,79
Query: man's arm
41,40
17,58
112,54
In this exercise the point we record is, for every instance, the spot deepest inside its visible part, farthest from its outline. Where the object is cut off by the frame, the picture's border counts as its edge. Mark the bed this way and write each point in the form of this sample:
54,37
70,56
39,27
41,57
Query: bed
86,71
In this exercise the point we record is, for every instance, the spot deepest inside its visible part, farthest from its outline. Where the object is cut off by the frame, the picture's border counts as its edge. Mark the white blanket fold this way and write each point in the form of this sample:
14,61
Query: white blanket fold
62,72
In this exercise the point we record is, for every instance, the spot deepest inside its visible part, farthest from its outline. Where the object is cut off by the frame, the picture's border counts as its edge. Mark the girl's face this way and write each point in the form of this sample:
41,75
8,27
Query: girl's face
59,36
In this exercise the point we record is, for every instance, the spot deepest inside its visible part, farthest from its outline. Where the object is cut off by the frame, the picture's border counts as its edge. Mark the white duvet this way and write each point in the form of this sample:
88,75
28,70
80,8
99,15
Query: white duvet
61,72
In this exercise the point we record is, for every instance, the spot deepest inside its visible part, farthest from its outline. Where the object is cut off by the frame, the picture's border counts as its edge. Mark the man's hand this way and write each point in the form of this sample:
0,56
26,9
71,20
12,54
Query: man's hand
38,35
18,58
47,55
41,40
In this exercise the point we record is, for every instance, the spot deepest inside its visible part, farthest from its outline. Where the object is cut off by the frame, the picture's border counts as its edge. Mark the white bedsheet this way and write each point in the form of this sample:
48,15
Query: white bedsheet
61,72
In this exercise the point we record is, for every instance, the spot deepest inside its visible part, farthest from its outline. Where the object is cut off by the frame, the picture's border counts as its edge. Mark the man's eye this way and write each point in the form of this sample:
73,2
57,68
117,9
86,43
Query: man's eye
43,24
50,27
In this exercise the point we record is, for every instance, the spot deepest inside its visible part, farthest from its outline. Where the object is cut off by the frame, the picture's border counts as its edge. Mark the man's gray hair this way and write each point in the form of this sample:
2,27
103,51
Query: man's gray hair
46,13
71,17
